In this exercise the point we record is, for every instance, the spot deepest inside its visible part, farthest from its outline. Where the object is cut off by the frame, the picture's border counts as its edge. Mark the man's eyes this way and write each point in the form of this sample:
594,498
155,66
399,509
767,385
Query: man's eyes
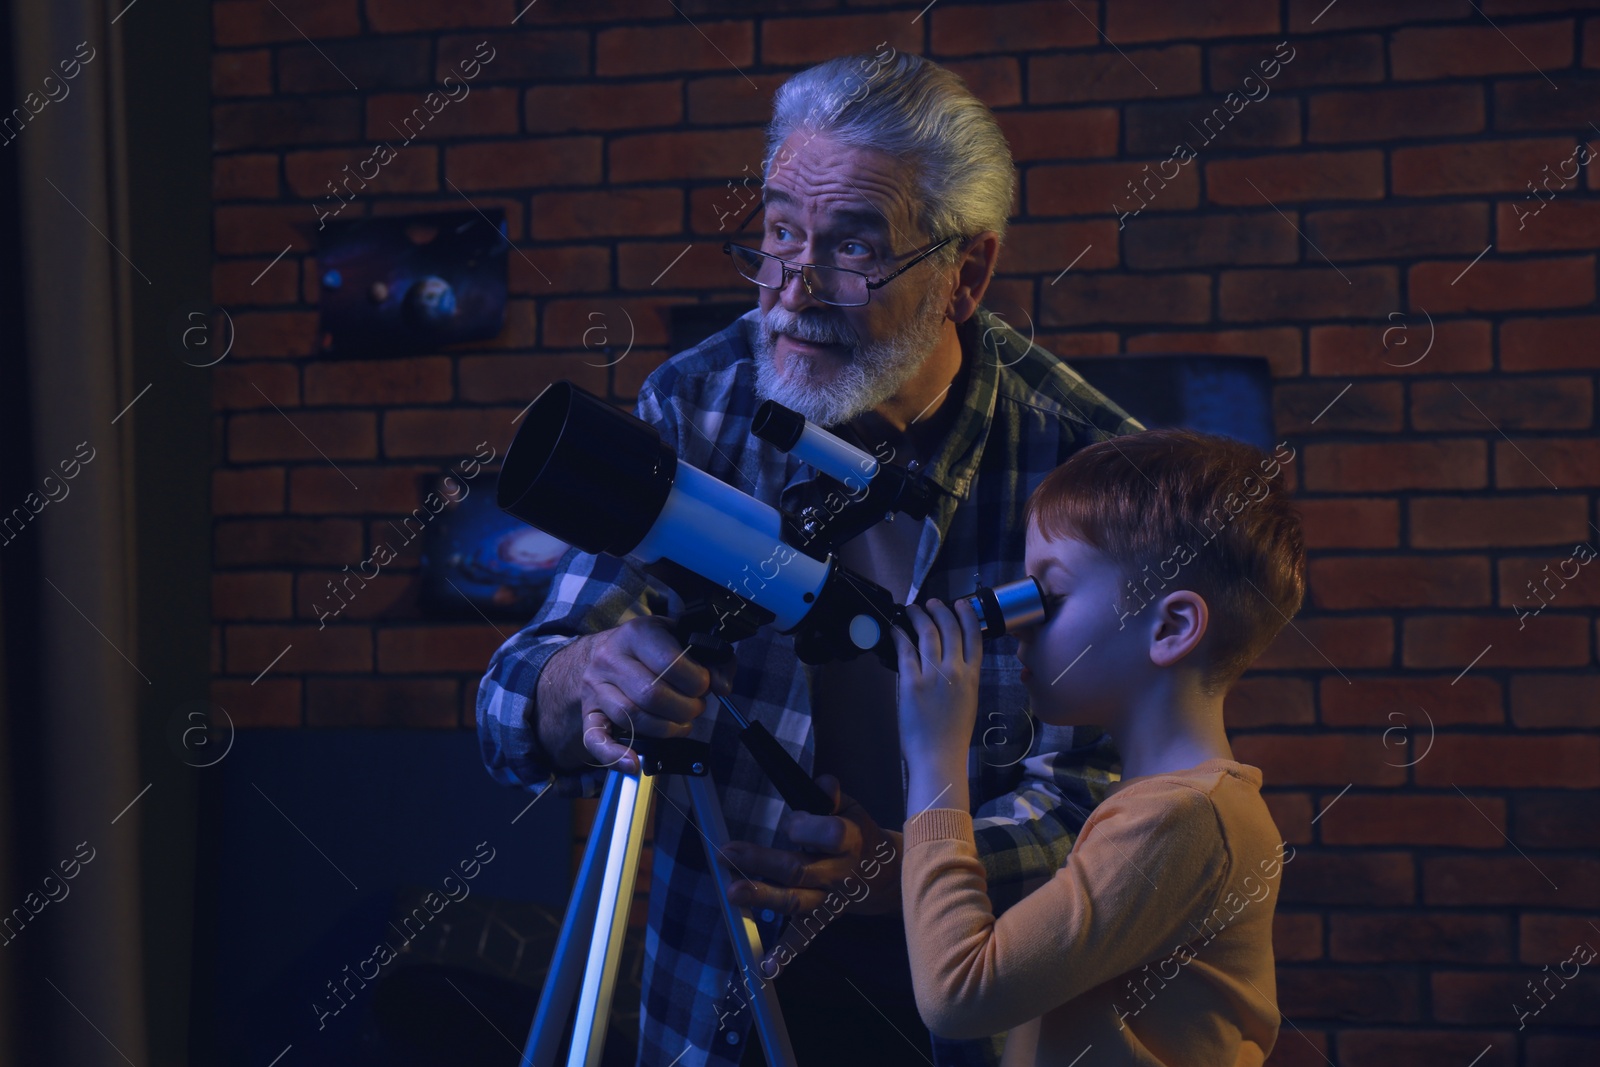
782,235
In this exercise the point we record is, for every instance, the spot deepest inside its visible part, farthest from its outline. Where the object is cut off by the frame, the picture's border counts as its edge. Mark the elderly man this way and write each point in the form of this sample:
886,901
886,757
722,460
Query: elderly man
885,199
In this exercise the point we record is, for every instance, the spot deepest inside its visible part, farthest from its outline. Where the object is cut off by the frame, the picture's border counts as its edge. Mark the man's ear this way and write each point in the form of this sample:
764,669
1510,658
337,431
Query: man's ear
1181,619
976,272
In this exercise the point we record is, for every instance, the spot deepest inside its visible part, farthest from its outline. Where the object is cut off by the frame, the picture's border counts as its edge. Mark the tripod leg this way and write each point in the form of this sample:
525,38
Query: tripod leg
561,983
611,920
742,928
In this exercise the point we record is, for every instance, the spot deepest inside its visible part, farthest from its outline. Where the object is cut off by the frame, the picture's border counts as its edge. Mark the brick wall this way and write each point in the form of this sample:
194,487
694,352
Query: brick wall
1432,756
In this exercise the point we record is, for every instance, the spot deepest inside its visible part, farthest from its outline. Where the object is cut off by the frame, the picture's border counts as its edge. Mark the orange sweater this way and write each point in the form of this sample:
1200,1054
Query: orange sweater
1152,944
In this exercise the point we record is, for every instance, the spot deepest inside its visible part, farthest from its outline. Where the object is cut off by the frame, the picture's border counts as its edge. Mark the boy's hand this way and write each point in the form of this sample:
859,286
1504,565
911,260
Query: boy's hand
938,688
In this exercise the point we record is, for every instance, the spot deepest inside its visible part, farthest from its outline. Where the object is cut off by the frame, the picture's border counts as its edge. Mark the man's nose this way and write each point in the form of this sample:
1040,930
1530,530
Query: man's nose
794,295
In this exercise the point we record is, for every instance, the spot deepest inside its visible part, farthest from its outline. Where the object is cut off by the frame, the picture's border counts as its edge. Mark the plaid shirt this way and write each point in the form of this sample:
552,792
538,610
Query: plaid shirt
1032,785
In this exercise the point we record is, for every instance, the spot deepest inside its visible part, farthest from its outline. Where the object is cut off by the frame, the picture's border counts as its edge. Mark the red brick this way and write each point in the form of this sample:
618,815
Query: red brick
452,434
274,333
1316,61
1291,814
247,230
435,649
1329,758
1409,709
403,119
250,176
1279,346
1082,299
1210,240
1473,51
310,435
1558,820
1415,820
373,63
236,282
250,595
666,265
609,213
597,106
386,596
335,648
1283,179
1511,403
995,80
521,164
1268,701
284,122
1318,407
1494,285
484,202
517,54
386,702
1546,700
1307,293
256,491
701,45
1419,937
295,542
725,100
402,16
518,379
244,386
260,21
1553,761
566,321
1454,641
1361,582
334,176
1103,74
1552,938
1350,994
241,73
392,381
1556,224
1549,343
1471,997
269,702
1350,523
1102,188
1318,16
1084,345
712,154
1314,644
1362,468
1488,522
1396,114
1163,20
1038,247
812,39
1399,232
319,490
559,269
1347,876
1536,464
1296,936
1472,166
629,375
1561,1051
991,28
1426,1048
1402,345
1060,134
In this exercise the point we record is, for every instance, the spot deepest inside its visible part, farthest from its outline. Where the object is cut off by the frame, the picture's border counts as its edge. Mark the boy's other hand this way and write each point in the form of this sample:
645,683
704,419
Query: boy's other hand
938,687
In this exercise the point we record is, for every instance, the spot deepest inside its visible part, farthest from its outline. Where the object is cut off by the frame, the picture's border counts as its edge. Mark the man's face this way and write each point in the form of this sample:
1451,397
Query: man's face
845,207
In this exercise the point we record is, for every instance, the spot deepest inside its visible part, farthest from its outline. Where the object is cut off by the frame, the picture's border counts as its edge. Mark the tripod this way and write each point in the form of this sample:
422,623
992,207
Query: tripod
602,897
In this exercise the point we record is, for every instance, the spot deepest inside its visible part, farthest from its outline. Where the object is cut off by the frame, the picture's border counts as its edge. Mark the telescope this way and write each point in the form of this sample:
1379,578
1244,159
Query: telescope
603,480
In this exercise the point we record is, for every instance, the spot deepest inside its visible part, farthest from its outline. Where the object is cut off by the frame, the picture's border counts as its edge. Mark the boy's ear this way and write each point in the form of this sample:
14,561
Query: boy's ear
1181,620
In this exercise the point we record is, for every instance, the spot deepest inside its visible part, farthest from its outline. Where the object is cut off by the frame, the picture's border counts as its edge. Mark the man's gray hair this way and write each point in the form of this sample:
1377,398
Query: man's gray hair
913,108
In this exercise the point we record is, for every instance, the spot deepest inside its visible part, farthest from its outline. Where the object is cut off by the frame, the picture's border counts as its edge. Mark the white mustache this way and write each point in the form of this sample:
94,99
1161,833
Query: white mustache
811,330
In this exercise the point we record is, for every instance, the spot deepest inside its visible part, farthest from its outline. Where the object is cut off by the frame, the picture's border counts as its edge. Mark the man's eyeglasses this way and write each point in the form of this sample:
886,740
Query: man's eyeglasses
839,286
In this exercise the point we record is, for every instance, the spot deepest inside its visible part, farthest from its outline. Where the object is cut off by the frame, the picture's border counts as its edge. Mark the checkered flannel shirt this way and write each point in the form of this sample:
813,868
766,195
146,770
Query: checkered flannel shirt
1032,785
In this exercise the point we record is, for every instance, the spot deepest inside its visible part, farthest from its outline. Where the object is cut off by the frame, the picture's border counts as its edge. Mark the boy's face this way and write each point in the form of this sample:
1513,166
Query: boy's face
1083,662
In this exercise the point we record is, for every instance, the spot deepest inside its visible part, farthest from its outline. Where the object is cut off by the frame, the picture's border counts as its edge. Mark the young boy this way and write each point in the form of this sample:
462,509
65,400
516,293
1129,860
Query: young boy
1168,560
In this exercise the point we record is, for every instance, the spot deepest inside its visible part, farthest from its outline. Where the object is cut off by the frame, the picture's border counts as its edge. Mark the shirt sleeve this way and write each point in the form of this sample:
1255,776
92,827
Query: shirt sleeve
1143,865
588,594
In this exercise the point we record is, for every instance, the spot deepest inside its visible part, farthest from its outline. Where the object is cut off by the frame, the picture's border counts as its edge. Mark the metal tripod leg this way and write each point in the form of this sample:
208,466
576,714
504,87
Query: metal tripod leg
566,965
742,929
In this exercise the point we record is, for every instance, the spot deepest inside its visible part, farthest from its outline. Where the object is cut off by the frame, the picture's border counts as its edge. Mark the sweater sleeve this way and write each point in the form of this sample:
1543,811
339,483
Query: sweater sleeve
1147,861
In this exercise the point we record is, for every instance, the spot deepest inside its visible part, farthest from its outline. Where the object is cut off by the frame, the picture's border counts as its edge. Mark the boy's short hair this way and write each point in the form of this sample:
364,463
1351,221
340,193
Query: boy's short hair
1179,509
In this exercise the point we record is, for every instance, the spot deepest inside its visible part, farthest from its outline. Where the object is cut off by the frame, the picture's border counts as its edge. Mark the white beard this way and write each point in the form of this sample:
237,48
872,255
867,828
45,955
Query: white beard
869,375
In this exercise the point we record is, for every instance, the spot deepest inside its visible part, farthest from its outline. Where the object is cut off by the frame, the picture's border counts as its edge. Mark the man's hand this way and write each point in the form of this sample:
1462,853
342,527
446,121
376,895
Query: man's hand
637,682
846,853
